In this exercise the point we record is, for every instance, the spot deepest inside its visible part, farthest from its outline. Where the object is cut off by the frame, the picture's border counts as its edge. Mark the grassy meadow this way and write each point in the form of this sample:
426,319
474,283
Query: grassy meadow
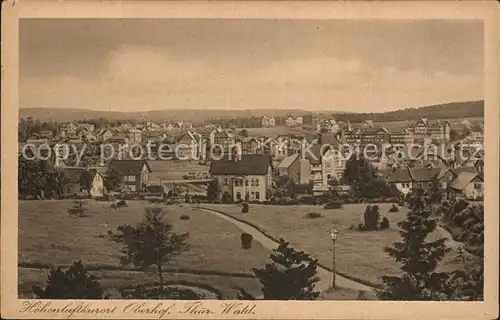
47,234
358,253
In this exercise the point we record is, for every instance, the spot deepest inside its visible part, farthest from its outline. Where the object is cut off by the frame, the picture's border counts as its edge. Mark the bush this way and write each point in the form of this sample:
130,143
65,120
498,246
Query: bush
185,217
371,217
245,207
334,205
385,223
313,215
246,240
74,283
170,293
394,208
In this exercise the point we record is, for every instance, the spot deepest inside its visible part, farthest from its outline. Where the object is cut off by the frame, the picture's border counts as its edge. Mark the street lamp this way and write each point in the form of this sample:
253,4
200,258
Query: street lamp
334,233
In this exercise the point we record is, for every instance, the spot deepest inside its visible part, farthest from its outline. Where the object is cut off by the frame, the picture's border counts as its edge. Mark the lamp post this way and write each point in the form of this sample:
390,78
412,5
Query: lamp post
334,234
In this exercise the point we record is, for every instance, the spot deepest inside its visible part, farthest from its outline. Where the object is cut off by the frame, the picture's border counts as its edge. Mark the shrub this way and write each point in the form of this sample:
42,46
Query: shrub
371,217
245,207
170,293
74,283
313,215
385,223
246,240
185,217
394,208
334,205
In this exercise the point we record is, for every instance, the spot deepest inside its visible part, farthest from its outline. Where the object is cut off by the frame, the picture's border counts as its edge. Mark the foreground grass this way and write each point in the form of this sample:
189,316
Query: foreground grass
358,254
111,281
48,235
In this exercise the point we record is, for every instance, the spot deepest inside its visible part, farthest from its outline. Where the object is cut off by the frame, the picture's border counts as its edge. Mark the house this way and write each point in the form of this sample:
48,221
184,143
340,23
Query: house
437,131
134,136
404,137
268,122
279,147
291,121
401,179
474,139
327,125
248,177
469,185
248,145
45,134
104,134
134,174
377,136
224,141
77,180
290,167
89,127
406,178
68,129
189,147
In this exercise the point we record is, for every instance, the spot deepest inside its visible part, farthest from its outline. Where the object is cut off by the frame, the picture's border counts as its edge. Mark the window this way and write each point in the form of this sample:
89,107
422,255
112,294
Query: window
247,196
257,182
225,181
252,182
430,184
238,195
477,186
246,182
131,178
257,195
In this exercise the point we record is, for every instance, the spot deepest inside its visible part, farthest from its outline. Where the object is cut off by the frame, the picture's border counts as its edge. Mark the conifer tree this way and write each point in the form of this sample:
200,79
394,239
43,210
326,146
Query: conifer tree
418,258
290,276
78,209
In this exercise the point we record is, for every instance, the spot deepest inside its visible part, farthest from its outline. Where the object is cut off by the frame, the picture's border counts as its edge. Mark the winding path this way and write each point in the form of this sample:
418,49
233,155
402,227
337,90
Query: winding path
325,275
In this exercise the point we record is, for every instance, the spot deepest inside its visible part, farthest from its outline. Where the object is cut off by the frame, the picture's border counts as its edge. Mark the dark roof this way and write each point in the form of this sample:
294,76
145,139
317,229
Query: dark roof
400,175
315,155
73,175
154,189
424,174
251,164
128,167
464,179
330,139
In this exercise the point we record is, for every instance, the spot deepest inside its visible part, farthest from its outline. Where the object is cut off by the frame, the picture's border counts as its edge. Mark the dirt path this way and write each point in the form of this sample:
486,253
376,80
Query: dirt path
324,275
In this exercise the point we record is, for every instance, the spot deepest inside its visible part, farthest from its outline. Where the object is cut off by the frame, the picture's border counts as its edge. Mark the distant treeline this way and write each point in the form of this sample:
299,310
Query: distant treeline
455,110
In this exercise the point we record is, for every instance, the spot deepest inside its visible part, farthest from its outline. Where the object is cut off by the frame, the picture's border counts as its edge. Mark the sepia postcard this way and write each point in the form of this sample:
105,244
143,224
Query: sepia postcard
250,159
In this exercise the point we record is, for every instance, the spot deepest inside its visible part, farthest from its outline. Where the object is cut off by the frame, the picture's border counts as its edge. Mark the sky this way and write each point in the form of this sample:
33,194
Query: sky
337,65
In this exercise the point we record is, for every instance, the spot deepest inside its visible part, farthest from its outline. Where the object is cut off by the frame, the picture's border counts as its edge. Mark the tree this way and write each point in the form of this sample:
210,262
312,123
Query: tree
243,133
38,178
418,258
112,179
74,283
151,242
290,276
371,218
358,169
78,209
87,181
213,190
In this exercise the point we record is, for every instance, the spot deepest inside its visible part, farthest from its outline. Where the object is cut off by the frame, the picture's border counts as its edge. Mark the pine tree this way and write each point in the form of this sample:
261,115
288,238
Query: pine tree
290,276
418,257
73,283
78,209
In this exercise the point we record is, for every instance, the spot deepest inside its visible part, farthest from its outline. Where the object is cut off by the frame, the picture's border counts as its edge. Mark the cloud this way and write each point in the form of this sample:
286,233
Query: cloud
147,77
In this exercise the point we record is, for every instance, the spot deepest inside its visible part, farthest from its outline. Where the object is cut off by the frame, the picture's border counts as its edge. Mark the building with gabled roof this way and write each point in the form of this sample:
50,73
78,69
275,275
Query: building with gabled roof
244,177
469,185
134,174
